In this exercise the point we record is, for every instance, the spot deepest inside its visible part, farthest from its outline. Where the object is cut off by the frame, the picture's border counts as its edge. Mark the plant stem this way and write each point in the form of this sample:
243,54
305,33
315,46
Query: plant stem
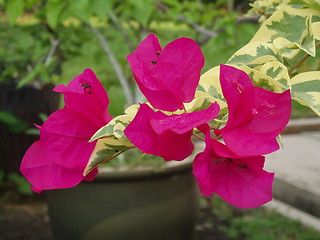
298,64
116,66
184,109
198,136
116,155
106,160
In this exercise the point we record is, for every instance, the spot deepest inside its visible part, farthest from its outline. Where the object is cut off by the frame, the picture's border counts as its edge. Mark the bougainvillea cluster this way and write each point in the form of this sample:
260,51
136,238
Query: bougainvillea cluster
57,160
232,162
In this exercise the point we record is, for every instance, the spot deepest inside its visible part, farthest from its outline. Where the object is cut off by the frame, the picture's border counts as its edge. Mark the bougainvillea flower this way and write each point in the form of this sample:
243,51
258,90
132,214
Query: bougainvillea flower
167,77
256,116
167,136
240,181
59,158
86,94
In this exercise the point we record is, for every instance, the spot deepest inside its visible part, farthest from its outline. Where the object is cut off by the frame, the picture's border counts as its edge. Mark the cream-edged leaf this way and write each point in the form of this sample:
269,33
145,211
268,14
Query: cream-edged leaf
315,28
306,89
210,83
278,72
132,110
105,150
255,53
289,28
108,130
262,80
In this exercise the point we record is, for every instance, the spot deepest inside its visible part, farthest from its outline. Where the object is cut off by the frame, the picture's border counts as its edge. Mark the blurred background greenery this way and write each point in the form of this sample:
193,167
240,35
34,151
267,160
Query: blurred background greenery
52,41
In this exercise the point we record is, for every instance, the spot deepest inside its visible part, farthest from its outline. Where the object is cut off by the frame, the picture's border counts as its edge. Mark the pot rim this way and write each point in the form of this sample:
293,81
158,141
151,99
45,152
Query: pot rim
144,171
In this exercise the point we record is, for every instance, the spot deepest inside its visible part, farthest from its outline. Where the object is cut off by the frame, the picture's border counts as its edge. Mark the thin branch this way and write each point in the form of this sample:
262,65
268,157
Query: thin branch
208,34
54,45
298,64
116,66
198,28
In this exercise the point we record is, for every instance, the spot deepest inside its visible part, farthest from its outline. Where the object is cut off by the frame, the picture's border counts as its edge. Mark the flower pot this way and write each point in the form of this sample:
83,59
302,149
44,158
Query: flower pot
141,203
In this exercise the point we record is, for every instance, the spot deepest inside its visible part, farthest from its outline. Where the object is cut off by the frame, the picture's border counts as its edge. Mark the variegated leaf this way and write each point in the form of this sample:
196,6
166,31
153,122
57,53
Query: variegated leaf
289,28
261,79
210,83
315,28
108,130
105,150
279,73
306,89
203,96
255,53
132,110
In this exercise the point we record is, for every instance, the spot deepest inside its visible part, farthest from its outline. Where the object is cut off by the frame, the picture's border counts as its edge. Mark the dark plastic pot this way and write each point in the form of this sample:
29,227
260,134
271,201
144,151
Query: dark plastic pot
139,204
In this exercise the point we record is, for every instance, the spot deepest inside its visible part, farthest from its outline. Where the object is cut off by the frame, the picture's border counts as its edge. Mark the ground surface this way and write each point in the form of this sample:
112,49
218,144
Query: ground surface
27,221
30,221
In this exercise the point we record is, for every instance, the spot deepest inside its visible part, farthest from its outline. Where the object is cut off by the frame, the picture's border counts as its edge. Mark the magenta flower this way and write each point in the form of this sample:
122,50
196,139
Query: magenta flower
256,116
167,136
167,77
240,181
59,158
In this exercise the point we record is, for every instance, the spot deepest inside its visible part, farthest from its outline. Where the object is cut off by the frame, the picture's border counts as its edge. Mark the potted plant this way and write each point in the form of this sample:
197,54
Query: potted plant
145,202
237,110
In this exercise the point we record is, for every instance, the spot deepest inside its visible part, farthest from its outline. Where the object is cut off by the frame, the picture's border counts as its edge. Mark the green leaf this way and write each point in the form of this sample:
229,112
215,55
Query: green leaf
13,123
22,184
137,3
31,76
54,8
81,9
142,10
101,7
14,8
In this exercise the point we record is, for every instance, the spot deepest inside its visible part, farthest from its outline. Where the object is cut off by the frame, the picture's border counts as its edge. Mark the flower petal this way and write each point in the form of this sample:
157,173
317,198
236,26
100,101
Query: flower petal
179,66
168,144
170,76
181,123
59,158
86,94
40,167
256,116
241,182
233,82
70,123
